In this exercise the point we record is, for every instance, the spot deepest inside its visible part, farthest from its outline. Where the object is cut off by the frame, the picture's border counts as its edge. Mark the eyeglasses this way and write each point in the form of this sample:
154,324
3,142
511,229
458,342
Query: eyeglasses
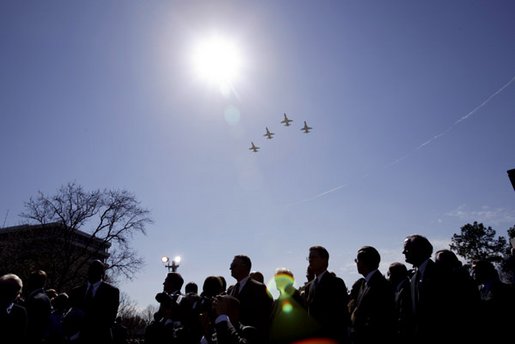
355,260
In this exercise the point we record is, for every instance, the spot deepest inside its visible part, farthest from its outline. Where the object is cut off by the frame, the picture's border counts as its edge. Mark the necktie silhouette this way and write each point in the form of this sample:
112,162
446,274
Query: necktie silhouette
236,290
415,280
313,289
315,284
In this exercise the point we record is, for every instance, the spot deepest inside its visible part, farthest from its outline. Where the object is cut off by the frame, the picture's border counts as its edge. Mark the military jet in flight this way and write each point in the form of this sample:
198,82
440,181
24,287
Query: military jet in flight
268,133
306,128
254,148
286,121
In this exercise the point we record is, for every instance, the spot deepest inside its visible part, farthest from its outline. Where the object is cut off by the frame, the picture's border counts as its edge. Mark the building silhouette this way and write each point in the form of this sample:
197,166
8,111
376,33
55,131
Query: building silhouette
63,252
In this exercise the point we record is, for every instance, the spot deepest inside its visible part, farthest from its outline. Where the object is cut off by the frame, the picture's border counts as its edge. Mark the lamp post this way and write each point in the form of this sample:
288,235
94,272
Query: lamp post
173,265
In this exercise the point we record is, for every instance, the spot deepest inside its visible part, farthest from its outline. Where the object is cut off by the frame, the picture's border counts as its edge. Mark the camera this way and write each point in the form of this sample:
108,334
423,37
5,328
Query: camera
164,299
203,305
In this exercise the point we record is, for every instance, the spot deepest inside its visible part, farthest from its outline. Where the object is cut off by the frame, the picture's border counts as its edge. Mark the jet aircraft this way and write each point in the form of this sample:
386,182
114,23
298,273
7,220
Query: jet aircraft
306,128
268,133
254,148
286,121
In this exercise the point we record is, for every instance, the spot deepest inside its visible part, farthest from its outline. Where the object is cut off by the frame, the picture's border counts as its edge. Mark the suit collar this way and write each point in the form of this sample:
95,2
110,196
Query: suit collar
370,275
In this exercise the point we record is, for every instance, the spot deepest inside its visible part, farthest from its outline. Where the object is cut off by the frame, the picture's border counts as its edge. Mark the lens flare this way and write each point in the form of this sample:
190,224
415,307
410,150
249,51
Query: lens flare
282,283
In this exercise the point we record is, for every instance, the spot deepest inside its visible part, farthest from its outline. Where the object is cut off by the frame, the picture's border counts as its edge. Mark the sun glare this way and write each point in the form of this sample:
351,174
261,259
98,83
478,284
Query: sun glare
217,60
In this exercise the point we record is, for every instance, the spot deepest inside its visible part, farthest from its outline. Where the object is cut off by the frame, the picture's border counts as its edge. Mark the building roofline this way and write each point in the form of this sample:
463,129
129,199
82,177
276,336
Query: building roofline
29,227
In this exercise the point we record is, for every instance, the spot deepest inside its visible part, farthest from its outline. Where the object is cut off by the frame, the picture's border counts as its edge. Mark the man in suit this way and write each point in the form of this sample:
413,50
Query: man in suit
255,300
427,291
173,297
327,297
13,317
38,306
372,319
173,322
99,303
399,279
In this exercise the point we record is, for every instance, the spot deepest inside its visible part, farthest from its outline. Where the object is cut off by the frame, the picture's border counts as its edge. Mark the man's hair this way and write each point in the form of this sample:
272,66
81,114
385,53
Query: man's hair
96,270
212,286
245,260
175,279
370,256
257,276
322,252
10,286
398,269
422,244
224,282
37,279
191,287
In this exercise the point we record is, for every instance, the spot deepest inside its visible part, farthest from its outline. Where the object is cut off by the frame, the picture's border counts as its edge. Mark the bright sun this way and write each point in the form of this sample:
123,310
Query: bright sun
218,61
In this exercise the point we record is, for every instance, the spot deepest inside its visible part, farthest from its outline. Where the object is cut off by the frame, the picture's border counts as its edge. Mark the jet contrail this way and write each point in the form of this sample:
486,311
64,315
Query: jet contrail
427,142
317,196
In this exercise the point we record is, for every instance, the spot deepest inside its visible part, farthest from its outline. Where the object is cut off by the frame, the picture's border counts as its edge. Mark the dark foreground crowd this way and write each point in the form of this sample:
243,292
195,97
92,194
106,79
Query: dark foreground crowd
438,301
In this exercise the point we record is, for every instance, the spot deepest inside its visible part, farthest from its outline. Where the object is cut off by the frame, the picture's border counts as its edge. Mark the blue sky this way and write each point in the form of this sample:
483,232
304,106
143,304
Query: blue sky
412,105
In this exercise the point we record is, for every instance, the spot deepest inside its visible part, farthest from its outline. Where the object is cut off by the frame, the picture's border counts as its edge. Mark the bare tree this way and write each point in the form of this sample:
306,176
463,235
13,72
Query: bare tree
148,313
110,218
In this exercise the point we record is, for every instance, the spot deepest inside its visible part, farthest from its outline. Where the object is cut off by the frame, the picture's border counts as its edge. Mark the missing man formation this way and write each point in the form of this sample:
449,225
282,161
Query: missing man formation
269,135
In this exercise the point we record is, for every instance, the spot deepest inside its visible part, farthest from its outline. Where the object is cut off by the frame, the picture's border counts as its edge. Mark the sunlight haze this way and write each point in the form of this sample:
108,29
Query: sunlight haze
411,104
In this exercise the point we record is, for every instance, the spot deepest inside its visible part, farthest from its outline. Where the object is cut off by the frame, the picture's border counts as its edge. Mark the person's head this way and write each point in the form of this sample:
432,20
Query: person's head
173,282
37,280
397,272
228,305
367,260
318,259
224,283
240,267
417,249
212,286
10,288
191,288
484,271
51,293
257,276
96,271
61,302
447,260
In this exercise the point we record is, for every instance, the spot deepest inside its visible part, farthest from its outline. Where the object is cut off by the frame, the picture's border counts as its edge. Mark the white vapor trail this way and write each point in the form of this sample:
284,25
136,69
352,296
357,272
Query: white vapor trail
427,142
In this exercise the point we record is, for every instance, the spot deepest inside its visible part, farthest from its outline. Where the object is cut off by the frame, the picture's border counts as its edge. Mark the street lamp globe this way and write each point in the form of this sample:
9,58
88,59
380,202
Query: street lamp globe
173,265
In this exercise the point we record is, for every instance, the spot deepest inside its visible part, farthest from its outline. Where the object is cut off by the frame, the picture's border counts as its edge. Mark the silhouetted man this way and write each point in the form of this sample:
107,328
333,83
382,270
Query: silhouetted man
13,317
372,319
99,303
255,300
427,291
38,306
327,297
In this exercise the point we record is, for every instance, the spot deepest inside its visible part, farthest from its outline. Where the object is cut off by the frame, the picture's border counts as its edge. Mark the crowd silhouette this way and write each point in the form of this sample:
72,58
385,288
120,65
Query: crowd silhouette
435,300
